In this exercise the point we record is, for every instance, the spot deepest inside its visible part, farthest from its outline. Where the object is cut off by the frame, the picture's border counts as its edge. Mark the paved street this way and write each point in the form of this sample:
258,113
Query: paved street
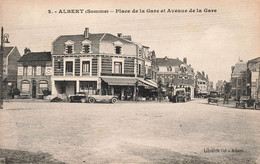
130,132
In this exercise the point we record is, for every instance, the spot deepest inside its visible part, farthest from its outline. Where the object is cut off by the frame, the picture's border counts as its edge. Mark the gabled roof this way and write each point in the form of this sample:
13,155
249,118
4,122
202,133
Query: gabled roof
36,56
200,76
168,62
7,50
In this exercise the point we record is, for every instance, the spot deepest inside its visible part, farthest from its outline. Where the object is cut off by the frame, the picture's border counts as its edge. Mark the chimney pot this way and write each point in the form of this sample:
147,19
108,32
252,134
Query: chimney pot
119,35
86,32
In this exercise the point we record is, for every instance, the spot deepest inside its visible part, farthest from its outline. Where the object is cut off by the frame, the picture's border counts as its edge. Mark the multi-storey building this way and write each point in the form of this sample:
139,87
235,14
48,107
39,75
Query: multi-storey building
202,84
254,68
34,74
239,79
101,62
174,73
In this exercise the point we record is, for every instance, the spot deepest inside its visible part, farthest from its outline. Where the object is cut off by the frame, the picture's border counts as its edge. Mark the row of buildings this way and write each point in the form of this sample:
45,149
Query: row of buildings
106,63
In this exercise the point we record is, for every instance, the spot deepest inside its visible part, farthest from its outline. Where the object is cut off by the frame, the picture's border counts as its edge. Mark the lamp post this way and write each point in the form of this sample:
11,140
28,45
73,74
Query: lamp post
4,39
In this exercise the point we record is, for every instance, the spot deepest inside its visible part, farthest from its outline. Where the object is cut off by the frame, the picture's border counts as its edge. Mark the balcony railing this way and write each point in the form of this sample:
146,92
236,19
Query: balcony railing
118,74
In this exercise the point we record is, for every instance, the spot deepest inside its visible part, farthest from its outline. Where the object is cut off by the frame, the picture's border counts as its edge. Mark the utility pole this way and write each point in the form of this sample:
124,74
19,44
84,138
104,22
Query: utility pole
4,39
1,68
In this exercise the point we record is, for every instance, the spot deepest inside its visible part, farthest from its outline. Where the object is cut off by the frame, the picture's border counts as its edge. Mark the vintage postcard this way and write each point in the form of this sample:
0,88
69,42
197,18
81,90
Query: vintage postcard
127,81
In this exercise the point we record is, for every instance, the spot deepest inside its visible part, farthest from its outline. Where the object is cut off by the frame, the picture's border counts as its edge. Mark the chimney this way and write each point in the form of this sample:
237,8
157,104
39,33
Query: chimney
203,73
185,60
27,50
86,32
128,37
119,35
232,69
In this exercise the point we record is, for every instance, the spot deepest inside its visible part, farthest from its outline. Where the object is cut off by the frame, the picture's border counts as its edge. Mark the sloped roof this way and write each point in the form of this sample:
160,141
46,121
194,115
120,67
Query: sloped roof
168,62
36,56
240,67
200,76
112,38
7,50
92,37
254,60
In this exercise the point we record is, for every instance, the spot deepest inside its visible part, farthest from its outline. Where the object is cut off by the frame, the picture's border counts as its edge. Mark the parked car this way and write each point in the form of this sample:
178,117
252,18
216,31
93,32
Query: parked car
245,102
79,97
178,95
102,98
213,97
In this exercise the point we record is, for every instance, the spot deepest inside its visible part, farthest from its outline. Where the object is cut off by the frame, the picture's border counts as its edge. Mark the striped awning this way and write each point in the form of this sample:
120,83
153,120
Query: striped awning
148,83
119,81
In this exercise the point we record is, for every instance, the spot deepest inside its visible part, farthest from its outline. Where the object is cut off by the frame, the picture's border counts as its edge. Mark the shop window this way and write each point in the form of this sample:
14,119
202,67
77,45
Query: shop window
43,85
88,87
118,67
25,88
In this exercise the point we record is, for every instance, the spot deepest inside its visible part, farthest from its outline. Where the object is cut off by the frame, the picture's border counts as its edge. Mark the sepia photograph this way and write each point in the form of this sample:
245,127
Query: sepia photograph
129,81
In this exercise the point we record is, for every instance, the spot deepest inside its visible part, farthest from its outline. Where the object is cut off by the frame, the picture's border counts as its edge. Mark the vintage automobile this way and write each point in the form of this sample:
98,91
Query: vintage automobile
78,97
102,98
213,97
245,102
178,95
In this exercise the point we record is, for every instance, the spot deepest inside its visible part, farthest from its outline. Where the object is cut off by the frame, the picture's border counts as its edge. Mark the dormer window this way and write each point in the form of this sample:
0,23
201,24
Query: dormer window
69,47
86,46
118,47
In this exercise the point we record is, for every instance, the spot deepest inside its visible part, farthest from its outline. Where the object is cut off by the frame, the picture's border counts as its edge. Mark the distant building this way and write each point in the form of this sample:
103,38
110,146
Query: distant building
254,68
10,58
211,87
239,79
220,86
34,74
202,84
174,73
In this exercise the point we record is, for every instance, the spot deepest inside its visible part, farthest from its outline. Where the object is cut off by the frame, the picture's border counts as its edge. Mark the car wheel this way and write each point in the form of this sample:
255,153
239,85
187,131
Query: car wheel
91,100
113,100
70,100
83,100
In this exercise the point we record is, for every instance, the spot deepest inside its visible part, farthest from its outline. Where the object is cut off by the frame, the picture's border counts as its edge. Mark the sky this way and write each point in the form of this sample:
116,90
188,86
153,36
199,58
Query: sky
211,41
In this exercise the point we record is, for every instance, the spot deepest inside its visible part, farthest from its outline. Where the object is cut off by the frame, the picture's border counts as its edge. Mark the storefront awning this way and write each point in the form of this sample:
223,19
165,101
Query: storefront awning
148,83
120,81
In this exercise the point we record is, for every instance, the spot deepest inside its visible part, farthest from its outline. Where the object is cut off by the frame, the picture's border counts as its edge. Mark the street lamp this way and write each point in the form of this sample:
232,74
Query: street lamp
4,39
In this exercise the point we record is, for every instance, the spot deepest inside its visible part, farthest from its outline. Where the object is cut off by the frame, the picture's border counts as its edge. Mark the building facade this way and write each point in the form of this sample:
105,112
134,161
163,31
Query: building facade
101,62
10,57
34,74
254,68
202,84
239,79
174,73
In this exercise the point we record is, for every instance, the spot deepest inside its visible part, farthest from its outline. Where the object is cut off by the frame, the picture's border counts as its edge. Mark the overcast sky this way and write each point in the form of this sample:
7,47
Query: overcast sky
212,42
